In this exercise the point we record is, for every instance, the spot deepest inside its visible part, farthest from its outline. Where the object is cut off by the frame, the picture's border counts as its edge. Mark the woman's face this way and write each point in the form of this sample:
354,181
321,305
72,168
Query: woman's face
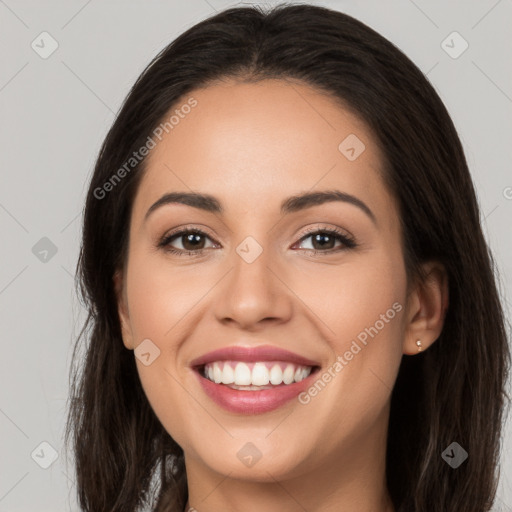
267,272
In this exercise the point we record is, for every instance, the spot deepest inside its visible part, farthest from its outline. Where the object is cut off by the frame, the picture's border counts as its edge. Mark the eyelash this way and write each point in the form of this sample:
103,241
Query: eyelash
348,242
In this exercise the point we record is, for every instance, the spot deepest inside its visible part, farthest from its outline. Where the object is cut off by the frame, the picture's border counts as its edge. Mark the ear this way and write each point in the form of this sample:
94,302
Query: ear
426,308
122,309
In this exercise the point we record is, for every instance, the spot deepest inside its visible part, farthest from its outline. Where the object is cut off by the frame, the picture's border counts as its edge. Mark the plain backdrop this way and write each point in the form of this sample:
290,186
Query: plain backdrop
55,110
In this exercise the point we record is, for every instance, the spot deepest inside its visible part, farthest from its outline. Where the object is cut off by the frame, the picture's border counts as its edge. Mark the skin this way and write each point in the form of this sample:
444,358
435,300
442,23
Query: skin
251,146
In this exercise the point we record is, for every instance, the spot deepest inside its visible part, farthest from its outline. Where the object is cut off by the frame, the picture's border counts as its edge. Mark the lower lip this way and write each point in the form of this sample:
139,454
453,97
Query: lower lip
252,402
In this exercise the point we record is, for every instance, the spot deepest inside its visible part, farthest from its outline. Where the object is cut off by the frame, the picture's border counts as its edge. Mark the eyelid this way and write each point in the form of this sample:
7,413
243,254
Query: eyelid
328,229
192,228
309,231
348,241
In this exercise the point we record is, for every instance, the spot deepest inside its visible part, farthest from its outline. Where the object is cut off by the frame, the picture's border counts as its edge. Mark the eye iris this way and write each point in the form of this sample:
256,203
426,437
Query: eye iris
319,236
190,238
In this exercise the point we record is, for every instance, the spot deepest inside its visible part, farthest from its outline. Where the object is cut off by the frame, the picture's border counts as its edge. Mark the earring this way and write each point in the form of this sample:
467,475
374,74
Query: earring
418,342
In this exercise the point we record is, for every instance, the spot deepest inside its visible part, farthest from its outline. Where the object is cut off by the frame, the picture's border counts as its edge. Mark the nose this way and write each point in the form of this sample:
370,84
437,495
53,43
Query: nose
254,293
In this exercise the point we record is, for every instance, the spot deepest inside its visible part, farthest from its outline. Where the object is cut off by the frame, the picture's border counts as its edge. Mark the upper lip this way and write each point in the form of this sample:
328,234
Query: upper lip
252,354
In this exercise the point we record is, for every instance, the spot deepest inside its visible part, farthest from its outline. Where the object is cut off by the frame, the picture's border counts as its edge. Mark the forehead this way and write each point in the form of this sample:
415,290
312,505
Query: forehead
254,143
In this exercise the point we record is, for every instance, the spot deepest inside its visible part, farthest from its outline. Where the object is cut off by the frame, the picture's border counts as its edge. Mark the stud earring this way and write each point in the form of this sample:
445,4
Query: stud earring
418,342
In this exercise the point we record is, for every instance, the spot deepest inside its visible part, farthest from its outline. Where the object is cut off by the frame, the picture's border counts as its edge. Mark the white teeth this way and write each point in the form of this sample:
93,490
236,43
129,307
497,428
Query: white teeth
262,374
243,375
305,373
276,375
217,374
288,374
228,375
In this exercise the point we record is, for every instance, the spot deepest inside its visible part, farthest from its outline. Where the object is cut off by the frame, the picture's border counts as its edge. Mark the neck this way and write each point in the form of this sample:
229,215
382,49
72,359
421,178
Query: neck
387,506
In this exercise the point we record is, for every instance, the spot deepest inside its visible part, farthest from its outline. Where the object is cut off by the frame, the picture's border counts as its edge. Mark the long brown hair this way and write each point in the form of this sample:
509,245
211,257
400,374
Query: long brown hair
452,392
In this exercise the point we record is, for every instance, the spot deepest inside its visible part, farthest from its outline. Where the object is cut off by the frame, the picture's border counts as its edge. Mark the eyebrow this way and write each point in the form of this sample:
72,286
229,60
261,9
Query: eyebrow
292,204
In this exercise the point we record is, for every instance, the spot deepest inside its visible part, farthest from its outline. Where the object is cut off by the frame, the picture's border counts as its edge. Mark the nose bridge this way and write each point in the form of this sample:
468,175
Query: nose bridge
252,291
252,274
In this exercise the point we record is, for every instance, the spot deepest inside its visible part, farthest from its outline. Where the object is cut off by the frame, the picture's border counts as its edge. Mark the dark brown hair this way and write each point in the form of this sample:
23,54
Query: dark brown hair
452,392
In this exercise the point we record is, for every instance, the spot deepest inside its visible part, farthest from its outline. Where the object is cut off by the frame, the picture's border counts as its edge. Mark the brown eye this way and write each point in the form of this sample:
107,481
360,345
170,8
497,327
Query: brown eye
324,240
191,241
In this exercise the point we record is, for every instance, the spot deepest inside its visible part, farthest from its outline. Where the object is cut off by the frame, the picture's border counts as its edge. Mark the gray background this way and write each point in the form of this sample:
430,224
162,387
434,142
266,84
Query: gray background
55,113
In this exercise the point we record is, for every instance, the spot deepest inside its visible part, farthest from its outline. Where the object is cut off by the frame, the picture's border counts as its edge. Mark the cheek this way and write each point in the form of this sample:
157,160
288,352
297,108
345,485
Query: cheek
352,297
362,308
159,296
159,300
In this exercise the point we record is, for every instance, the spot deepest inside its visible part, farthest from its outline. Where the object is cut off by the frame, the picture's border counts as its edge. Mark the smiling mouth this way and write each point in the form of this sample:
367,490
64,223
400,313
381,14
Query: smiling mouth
255,376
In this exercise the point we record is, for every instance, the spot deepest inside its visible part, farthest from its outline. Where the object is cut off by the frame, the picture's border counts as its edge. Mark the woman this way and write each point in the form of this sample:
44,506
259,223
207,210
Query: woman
291,302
